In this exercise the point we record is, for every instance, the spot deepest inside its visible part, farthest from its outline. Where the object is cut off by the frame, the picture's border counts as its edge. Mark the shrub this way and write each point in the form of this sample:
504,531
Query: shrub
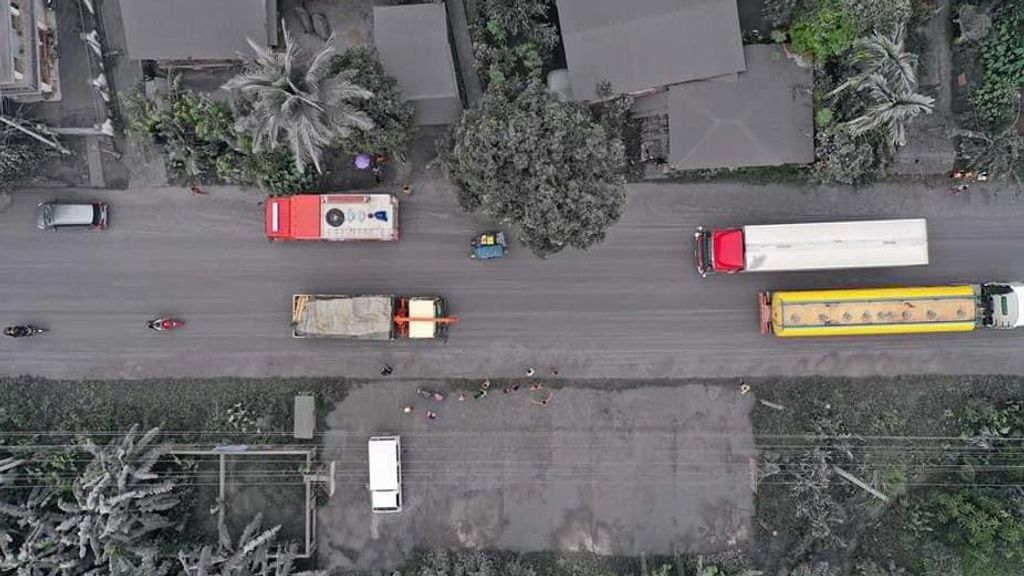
779,12
823,117
984,527
825,30
883,16
391,114
1002,56
20,158
975,23
846,159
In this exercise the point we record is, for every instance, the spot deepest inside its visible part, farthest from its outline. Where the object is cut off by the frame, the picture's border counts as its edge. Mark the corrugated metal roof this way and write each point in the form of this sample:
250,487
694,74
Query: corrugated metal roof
642,44
761,117
6,44
413,44
196,29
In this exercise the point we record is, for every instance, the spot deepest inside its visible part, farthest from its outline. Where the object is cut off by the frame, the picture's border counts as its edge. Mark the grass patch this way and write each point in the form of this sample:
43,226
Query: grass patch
907,437
197,411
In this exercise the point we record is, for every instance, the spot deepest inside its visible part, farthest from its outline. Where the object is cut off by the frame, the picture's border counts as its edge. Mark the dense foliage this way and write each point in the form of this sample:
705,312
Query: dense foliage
20,158
201,146
996,101
944,454
512,40
392,116
114,510
824,28
541,164
865,79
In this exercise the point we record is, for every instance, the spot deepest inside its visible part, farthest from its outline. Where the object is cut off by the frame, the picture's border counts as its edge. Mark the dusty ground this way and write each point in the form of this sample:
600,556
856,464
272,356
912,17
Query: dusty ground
652,469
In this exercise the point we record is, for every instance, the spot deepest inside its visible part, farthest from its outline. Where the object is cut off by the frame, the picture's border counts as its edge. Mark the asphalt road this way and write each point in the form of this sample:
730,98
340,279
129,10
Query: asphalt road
631,307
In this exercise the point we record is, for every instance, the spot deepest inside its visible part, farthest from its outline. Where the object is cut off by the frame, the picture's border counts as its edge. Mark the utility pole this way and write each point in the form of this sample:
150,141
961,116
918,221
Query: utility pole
51,142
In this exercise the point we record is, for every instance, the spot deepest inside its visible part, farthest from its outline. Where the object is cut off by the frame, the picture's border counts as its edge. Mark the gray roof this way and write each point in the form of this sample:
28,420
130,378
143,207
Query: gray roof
642,44
413,44
762,117
6,48
197,29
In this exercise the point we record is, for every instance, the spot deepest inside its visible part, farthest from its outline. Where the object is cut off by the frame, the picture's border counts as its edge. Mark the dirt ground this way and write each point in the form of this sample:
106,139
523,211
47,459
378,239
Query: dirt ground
651,469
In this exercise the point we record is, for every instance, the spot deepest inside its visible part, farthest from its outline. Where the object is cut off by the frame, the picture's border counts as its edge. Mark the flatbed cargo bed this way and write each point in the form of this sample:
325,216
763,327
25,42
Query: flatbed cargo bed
343,316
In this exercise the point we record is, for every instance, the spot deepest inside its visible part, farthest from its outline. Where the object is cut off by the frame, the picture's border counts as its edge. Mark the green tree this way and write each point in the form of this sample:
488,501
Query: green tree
887,82
512,40
889,111
541,164
391,114
886,56
823,29
299,99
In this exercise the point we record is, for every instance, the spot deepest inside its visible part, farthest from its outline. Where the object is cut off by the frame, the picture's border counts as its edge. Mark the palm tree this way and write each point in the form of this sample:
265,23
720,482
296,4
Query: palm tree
890,110
298,99
888,80
885,56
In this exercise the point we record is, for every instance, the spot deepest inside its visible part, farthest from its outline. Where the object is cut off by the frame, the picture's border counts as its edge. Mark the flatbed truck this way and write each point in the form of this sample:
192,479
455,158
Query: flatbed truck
901,310
369,317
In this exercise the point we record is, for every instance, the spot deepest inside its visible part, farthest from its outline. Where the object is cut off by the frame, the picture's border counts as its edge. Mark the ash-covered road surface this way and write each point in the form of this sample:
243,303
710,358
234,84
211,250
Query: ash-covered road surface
632,307
650,469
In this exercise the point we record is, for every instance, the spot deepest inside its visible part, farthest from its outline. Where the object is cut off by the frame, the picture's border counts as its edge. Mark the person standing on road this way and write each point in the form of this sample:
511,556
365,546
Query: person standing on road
386,370
530,372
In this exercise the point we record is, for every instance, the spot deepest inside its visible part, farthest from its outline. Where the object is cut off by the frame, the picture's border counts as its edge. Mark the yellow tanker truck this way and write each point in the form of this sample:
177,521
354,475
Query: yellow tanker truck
910,310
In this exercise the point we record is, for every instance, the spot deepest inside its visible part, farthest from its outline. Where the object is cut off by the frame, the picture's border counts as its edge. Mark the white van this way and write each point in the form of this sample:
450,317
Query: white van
385,473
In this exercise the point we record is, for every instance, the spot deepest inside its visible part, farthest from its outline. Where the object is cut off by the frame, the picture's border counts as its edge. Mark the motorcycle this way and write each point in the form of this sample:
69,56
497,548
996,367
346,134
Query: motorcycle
164,324
23,331
430,394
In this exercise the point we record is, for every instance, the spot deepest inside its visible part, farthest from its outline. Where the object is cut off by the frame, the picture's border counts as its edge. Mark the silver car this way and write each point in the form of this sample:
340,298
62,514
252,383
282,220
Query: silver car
56,215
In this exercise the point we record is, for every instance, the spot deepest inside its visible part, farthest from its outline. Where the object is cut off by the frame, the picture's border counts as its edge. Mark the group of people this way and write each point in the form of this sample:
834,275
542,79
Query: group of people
539,395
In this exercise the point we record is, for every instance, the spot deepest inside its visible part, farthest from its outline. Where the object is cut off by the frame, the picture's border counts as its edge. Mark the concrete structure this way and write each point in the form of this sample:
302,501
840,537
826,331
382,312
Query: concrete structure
197,30
28,61
413,45
645,44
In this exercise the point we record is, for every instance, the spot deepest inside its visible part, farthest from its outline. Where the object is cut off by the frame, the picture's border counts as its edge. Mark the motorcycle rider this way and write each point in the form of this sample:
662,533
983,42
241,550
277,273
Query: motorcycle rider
17,331
162,324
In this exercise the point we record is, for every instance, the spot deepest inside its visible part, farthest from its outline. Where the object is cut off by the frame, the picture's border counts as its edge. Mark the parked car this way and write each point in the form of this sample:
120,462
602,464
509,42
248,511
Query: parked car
57,215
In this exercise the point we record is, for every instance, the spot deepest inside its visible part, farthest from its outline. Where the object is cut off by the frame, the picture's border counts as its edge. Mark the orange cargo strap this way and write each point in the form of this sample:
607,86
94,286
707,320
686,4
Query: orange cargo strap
442,320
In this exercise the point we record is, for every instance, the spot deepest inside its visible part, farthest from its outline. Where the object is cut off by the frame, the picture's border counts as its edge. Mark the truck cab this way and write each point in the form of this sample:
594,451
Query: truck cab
1001,305
718,250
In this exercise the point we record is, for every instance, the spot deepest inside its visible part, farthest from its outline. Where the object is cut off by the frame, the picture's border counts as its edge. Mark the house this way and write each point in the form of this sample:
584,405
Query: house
639,45
28,62
761,117
412,41
197,32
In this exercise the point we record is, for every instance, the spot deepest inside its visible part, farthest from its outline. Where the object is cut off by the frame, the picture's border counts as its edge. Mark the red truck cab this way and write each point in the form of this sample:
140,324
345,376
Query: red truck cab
719,251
